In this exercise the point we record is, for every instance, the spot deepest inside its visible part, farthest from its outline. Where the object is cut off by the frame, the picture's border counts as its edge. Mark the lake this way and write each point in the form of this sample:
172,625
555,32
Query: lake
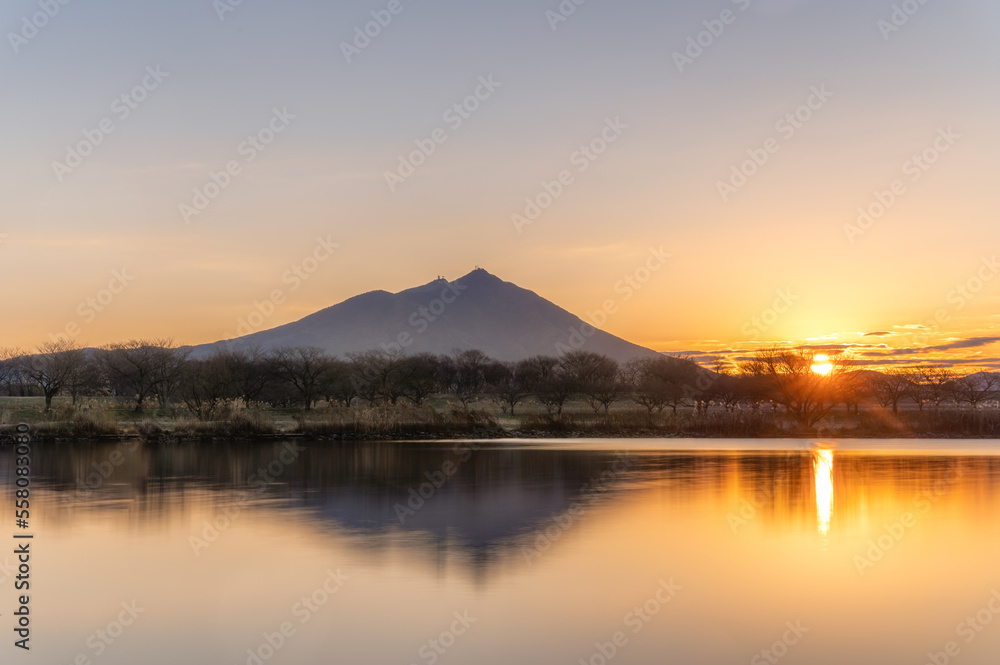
478,552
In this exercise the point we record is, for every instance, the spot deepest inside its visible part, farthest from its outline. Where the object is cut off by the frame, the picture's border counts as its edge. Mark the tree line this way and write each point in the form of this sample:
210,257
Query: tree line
145,372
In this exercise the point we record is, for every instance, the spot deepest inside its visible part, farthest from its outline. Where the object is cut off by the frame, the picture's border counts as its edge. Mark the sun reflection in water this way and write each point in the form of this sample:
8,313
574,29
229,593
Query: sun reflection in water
823,465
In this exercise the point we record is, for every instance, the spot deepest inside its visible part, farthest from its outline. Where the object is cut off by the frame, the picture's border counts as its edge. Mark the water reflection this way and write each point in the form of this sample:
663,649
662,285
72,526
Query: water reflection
547,545
480,503
823,464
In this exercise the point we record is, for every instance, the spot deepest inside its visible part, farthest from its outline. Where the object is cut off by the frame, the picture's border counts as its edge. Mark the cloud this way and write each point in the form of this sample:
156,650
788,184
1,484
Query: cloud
873,354
821,347
970,343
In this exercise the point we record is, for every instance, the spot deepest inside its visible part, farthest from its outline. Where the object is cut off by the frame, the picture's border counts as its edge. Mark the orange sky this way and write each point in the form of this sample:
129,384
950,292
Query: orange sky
906,121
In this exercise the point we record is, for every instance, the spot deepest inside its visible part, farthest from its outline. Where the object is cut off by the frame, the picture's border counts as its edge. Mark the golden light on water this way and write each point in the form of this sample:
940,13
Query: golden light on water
822,364
823,465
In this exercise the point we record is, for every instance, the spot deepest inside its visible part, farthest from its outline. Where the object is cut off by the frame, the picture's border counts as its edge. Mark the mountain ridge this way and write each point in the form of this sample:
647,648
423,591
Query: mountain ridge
476,311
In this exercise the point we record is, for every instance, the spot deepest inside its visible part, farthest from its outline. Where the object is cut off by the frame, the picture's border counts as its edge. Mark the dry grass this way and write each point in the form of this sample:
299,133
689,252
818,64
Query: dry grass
956,423
401,421
97,418
641,423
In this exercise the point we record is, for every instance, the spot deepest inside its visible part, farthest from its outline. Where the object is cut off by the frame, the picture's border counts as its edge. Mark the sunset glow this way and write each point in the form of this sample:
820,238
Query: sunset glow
500,332
823,469
822,364
785,255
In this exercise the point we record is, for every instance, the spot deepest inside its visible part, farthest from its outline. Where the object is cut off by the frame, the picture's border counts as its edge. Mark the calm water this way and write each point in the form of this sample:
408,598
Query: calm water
529,552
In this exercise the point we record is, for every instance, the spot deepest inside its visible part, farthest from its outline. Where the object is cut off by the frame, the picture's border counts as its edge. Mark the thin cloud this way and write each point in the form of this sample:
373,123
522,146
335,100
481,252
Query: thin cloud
970,343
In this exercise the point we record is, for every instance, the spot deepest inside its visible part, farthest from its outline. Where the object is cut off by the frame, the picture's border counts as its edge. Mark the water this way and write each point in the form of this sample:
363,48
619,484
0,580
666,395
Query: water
636,552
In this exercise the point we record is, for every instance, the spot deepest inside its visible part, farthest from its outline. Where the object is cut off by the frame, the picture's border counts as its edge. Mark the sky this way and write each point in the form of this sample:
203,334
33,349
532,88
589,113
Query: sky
168,168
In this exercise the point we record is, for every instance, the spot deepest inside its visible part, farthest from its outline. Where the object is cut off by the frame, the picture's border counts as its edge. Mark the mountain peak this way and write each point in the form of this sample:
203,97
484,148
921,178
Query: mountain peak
480,275
476,311
477,277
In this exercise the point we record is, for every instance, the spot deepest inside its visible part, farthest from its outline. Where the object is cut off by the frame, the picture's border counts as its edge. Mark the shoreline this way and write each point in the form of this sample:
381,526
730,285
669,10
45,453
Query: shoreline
167,437
103,421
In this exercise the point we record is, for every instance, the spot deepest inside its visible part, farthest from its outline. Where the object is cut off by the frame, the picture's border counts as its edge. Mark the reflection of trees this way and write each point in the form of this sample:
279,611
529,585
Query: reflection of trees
496,496
485,497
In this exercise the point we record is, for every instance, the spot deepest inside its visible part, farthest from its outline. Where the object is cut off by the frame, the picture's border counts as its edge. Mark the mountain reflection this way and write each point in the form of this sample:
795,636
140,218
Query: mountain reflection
487,504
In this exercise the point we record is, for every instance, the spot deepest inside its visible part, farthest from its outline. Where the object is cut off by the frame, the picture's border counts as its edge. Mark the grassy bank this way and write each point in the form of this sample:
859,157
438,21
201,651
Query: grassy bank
439,418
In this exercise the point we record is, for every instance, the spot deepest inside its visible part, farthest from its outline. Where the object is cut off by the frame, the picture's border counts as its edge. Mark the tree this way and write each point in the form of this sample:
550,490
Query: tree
52,369
663,381
975,388
168,367
140,369
419,377
378,375
853,388
205,385
889,388
936,382
10,368
807,396
508,384
598,378
755,377
917,390
249,371
647,385
726,387
549,382
85,379
341,385
469,375
305,368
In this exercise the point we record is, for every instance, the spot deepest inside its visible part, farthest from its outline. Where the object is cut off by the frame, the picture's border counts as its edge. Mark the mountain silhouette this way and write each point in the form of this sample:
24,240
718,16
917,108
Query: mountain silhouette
477,311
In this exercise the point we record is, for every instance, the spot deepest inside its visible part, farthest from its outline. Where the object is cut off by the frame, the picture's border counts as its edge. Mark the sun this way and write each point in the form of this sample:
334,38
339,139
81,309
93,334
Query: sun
822,364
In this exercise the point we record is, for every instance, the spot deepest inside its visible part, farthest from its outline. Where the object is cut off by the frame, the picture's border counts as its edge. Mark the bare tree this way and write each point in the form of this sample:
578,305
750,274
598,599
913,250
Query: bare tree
378,376
918,391
205,385
726,387
649,388
509,384
85,379
419,377
889,387
807,395
10,368
936,382
249,371
168,367
52,368
305,368
342,383
755,377
852,387
664,381
469,378
142,369
549,382
976,388
598,378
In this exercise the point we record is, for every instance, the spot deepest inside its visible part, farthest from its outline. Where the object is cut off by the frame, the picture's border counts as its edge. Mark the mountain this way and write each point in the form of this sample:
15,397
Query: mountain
478,311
